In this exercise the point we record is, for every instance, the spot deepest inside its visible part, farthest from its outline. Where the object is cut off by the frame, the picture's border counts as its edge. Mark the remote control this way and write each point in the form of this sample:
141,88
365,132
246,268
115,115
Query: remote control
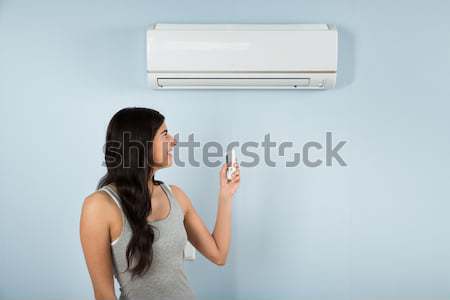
231,160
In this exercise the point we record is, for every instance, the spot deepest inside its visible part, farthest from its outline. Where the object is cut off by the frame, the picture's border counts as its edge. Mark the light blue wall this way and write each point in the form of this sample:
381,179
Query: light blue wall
376,229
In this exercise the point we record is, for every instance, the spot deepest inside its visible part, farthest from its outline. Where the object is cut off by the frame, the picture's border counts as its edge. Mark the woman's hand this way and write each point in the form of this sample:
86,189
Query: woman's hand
227,189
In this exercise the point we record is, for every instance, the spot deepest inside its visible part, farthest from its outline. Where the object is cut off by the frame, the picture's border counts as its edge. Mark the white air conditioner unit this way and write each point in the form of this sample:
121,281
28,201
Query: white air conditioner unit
249,56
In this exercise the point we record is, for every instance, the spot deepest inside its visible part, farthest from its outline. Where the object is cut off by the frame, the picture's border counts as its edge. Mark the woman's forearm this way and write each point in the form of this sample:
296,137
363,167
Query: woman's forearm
222,228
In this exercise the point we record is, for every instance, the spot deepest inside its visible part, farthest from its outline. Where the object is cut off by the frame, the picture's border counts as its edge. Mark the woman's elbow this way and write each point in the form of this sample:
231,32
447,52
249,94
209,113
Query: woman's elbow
221,261
104,295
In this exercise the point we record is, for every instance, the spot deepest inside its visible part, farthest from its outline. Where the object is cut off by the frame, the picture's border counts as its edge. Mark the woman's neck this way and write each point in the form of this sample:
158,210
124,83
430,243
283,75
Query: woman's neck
151,185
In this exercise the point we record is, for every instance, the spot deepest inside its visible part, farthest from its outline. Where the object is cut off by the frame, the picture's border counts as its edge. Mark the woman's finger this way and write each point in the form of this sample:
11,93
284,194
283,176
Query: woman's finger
237,176
223,171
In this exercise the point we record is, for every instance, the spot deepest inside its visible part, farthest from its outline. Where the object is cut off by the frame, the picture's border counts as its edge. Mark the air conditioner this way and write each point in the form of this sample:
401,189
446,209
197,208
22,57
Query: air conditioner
248,56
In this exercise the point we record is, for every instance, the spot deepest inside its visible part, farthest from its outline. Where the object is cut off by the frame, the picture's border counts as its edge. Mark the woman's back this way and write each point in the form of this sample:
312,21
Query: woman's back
166,278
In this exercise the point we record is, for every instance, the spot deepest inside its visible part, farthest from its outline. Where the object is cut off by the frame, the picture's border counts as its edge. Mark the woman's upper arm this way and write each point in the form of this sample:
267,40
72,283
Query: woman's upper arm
95,240
198,233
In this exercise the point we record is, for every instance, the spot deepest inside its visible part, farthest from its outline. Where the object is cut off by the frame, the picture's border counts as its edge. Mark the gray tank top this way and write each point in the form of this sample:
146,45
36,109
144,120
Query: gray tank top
166,278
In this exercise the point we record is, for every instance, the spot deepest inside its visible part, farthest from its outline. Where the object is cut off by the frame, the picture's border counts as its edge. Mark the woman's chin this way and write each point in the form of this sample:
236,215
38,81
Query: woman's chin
168,161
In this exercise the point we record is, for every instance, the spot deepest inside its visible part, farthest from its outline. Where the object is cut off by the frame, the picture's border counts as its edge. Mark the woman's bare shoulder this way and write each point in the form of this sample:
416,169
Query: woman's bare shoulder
99,205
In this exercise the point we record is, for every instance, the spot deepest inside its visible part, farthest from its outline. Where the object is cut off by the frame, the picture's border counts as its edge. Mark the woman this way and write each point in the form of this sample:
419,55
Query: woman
135,227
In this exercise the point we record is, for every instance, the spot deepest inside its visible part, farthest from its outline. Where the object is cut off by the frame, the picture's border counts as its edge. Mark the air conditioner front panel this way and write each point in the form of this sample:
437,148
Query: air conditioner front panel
301,56
242,50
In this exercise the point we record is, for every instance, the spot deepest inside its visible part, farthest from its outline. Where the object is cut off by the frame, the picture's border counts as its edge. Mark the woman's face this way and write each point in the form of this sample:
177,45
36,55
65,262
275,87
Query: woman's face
163,144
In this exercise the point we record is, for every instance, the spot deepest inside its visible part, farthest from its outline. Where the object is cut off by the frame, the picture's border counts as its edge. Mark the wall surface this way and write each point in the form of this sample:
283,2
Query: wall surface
375,229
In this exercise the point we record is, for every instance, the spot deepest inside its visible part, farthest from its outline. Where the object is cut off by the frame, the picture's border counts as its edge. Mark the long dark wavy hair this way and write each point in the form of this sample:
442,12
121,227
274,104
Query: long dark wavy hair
129,160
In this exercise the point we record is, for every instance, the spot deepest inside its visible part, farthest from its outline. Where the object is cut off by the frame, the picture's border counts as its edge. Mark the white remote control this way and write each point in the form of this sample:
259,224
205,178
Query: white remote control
231,160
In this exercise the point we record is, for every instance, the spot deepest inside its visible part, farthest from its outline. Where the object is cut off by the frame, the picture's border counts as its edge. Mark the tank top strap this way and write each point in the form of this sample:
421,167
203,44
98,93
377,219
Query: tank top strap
116,199
173,201
166,187
112,194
